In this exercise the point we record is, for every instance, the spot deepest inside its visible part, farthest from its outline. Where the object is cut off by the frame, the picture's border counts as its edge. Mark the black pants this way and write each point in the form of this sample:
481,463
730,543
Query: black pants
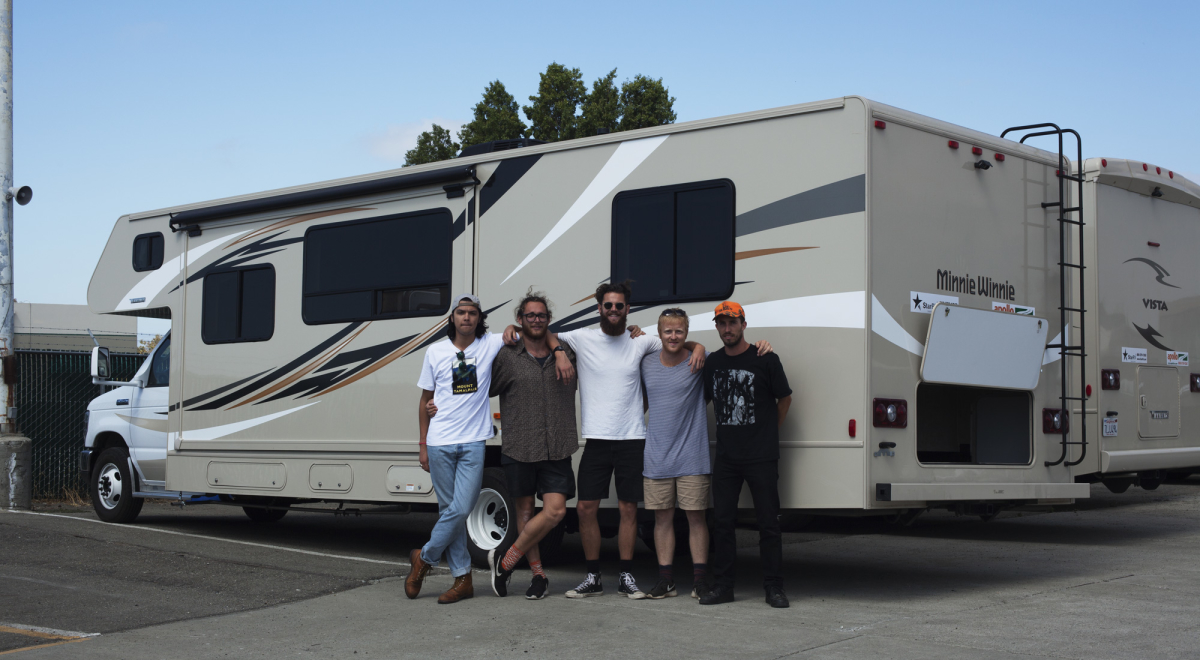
763,480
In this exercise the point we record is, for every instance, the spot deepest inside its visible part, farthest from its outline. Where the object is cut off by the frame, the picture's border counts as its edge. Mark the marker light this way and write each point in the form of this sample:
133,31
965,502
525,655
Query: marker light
1110,379
1103,162
890,413
1170,174
953,144
1151,243
1145,167
977,151
879,123
1000,157
853,428
1055,421
1158,170
1087,391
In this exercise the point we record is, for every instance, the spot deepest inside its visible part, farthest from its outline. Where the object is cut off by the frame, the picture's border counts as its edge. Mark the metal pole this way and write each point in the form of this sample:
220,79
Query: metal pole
6,207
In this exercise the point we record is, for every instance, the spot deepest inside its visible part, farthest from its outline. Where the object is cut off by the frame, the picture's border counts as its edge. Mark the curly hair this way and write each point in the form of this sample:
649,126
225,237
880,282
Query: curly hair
624,288
533,296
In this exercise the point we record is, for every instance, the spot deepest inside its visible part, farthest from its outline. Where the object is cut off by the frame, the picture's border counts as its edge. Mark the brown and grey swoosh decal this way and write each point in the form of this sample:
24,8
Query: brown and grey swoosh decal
159,425
837,198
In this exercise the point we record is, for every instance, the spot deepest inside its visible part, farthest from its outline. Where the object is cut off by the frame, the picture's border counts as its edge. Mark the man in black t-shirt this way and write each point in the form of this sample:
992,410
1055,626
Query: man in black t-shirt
751,397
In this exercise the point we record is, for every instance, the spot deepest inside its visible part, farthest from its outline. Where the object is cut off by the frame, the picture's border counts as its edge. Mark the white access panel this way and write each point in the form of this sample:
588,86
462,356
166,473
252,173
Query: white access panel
983,348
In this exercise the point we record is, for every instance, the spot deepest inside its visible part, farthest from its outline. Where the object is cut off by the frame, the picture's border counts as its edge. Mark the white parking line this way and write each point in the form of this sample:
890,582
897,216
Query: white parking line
48,631
216,538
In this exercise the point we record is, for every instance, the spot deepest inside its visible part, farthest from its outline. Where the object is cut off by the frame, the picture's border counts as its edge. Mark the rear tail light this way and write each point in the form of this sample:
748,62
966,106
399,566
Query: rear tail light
879,123
1110,379
1055,421
977,151
890,413
1196,382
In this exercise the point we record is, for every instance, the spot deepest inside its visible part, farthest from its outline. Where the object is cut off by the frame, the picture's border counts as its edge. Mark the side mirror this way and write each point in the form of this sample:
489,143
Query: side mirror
100,363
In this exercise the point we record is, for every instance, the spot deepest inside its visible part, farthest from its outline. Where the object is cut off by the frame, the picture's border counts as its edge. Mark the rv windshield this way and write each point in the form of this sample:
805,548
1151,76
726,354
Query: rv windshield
160,368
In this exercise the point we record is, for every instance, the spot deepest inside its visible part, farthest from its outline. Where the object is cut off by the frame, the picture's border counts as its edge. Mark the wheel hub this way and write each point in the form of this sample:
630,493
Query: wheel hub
110,486
487,524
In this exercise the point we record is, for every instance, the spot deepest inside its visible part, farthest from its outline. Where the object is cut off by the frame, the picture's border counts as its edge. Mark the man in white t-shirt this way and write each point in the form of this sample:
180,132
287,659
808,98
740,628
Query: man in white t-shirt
609,361
456,375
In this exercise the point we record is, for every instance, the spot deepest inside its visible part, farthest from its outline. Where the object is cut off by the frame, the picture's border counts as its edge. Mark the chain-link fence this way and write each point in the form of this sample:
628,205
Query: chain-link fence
52,392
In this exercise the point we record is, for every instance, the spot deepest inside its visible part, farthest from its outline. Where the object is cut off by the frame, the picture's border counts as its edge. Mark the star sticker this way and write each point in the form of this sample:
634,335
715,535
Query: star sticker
1125,354
917,302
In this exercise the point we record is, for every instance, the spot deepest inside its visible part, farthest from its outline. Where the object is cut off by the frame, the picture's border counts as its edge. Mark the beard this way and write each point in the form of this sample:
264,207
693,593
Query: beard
731,341
612,329
530,333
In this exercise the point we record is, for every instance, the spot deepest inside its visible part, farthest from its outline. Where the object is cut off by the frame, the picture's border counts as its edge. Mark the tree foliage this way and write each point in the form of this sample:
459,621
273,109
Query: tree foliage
146,346
432,145
496,118
602,107
552,114
646,102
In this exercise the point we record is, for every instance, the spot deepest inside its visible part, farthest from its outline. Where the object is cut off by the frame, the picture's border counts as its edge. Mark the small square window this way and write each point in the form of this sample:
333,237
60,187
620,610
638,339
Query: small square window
675,242
148,252
238,305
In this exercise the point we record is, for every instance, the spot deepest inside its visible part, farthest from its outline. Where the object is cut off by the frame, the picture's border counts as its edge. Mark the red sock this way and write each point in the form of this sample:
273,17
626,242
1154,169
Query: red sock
536,567
511,558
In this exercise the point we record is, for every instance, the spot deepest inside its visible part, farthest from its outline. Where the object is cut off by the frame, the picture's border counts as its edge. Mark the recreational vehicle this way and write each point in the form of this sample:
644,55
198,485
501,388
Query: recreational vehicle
914,276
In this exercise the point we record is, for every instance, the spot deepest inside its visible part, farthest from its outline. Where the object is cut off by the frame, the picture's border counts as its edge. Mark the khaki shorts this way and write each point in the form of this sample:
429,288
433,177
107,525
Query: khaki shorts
688,493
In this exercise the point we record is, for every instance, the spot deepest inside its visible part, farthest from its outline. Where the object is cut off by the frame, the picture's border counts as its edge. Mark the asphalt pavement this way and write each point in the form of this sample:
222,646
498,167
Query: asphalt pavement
1113,576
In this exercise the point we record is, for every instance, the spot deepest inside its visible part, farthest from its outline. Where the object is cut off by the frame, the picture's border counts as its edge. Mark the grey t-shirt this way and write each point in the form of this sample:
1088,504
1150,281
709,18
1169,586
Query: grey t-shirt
677,429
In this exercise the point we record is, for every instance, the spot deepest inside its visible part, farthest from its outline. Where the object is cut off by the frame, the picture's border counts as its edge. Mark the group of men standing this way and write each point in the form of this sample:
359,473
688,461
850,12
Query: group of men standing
645,424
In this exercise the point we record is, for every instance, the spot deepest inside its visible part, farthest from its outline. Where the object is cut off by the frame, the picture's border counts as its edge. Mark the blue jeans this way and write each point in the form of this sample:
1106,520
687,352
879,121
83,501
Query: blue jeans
457,473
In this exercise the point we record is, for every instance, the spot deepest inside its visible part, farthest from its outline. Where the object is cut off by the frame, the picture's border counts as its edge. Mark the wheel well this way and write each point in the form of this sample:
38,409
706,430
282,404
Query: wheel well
104,441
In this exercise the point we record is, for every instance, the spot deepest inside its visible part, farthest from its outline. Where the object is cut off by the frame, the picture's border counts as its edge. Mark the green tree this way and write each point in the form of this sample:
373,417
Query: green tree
432,145
552,114
645,102
496,118
602,107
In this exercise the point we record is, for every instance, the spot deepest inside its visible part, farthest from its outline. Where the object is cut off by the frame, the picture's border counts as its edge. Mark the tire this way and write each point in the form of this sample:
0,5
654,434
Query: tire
260,515
113,486
1118,486
491,523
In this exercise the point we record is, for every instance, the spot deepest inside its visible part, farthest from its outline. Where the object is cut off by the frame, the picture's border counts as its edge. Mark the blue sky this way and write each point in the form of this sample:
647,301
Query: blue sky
131,106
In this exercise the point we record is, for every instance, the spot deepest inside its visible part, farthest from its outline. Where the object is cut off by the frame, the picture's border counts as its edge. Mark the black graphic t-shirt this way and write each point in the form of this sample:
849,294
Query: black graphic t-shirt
745,390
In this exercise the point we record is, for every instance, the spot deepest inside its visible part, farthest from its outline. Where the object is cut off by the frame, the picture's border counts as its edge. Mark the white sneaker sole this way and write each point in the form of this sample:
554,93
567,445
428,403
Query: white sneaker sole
670,594
576,594
637,595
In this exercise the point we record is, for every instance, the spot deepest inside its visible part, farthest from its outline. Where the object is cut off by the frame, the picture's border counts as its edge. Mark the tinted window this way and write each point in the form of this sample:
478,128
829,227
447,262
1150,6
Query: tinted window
389,267
160,368
238,305
675,242
148,252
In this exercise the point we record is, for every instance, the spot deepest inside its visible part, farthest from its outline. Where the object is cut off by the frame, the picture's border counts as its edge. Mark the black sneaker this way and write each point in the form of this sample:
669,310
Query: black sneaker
628,586
589,587
701,587
664,589
500,576
776,597
537,588
719,594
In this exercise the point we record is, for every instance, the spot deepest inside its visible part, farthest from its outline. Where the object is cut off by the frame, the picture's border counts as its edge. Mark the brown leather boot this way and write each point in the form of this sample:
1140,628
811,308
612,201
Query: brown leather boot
416,574
461,590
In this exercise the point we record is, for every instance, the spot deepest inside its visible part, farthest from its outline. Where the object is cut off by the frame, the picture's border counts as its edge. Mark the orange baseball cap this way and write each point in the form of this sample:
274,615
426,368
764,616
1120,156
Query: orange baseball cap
729,308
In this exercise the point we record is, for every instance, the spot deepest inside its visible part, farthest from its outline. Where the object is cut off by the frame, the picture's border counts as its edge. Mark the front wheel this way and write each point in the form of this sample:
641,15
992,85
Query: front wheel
492,522
113,486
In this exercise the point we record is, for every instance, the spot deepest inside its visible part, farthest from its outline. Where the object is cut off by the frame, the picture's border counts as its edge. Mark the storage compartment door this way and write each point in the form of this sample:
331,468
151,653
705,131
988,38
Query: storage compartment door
983,348
1158,402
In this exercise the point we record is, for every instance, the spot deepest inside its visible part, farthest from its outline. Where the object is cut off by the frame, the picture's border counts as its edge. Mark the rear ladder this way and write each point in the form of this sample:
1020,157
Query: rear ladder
1065,348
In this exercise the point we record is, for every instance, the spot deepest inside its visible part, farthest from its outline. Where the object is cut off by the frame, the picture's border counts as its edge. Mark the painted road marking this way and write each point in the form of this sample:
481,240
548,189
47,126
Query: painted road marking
53,637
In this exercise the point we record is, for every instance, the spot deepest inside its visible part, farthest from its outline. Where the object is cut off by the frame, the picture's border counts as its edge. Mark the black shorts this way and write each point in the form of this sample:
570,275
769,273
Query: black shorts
539,477
604,458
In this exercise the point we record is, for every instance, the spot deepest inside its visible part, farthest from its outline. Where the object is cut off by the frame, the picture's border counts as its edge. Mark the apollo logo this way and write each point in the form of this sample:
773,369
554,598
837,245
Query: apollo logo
1009,308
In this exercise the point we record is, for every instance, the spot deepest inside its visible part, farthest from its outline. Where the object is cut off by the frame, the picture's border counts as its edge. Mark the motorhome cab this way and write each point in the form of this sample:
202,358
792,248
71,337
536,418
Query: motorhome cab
904,269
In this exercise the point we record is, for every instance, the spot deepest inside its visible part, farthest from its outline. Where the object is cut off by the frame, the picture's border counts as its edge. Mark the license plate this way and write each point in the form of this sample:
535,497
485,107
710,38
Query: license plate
1110,427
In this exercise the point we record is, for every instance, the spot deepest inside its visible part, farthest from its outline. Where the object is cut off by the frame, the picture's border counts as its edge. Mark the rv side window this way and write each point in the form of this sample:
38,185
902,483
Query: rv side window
238,305
148,252
675,242
391,267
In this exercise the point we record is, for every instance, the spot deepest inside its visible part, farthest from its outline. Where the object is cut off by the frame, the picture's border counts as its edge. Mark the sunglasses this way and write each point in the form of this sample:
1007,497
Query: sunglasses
537,316
611,305
674,311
